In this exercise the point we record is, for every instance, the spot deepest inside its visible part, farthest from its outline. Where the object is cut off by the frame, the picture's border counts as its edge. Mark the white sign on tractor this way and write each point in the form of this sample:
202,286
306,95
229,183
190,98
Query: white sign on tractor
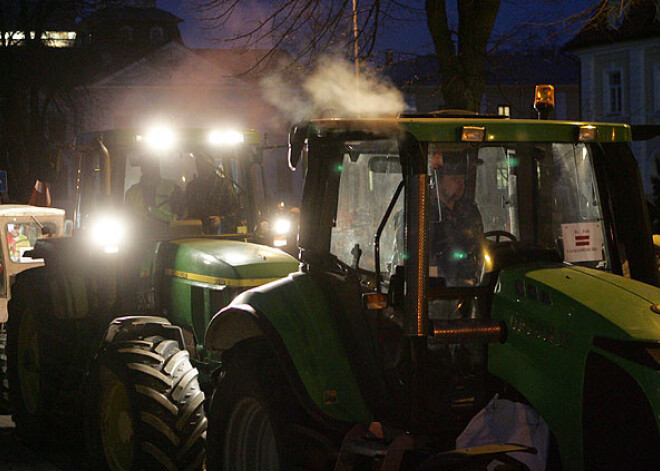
583,242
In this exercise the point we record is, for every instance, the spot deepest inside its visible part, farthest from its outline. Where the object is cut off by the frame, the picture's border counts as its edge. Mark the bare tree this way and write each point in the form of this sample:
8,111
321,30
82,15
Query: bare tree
461,39
311,26
462,54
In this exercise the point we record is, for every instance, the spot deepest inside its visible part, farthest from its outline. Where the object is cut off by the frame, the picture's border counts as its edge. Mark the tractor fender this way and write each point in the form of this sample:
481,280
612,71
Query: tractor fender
294,317
131,327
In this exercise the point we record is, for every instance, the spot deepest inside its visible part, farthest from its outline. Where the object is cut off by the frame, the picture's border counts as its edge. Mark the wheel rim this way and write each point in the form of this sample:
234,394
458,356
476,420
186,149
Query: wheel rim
250,443
117,428
28,361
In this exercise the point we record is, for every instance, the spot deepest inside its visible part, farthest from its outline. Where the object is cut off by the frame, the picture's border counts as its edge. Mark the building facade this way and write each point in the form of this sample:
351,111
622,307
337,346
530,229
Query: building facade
509,91
619,53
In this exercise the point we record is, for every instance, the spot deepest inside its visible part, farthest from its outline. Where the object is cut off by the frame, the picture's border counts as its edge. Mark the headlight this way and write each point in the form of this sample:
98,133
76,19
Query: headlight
220,138
160,138
282,226
108,233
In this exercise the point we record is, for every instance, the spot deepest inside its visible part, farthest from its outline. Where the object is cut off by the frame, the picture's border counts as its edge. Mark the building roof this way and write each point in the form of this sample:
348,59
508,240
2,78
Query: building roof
640,21
252,63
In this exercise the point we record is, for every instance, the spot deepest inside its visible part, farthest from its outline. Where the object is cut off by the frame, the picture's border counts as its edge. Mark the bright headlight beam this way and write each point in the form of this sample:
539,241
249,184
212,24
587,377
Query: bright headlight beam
160,138
108,233
219,138
282,226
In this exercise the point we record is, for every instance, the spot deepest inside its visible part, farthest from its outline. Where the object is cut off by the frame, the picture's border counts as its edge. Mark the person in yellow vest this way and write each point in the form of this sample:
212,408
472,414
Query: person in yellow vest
16,240
154,197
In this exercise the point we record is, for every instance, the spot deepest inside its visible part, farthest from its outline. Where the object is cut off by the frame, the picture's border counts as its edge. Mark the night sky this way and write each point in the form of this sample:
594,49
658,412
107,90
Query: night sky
409,35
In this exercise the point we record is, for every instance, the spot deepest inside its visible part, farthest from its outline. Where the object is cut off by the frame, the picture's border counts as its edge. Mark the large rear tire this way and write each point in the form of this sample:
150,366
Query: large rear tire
256,423
26,358
246,432
147,412
43,364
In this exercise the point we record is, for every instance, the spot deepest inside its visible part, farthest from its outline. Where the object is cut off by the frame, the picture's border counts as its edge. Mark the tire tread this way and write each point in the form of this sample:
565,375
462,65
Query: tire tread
168,404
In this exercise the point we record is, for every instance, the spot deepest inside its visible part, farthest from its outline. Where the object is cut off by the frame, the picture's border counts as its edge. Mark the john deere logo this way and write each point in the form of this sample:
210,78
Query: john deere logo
330,397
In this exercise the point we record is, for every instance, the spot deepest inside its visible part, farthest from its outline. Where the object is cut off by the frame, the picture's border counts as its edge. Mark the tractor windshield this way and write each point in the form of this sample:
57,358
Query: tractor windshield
540,195
179,182
193,185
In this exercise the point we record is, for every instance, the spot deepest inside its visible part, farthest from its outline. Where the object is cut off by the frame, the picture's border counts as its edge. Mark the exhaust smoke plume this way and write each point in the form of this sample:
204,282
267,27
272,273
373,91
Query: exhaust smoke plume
334,90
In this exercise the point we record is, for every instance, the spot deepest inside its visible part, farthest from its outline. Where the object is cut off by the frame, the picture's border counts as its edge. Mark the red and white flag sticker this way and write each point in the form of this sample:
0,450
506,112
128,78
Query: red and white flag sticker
583,242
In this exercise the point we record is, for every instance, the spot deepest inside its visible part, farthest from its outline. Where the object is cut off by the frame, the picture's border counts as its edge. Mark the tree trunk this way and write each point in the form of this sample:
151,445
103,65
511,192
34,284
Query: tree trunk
462,60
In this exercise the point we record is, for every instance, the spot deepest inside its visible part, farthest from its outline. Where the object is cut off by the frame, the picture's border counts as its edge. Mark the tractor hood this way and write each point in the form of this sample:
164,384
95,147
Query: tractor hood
226,262
586,300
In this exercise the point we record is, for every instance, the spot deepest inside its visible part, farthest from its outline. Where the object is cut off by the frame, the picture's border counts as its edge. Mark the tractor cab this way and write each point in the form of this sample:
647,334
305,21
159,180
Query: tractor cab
523,190
427,212
455,270
164,183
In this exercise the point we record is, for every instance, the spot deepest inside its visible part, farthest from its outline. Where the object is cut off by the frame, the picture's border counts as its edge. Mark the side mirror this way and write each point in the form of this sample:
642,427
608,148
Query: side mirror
297,137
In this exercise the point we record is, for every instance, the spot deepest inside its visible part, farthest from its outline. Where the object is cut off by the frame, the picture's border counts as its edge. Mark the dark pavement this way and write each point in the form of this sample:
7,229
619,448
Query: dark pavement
15,456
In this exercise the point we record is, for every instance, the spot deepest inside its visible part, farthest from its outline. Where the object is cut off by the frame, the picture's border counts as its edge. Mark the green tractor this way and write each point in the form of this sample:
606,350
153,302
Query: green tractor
107,337
389,349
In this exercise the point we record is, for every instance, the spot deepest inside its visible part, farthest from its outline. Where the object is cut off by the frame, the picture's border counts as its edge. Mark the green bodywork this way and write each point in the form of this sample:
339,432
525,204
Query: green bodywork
549,337
297,308
551,334
497,130
202,275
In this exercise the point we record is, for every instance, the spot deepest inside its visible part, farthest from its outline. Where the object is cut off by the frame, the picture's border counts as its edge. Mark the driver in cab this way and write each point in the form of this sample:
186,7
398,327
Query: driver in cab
456,228
154,197
212,198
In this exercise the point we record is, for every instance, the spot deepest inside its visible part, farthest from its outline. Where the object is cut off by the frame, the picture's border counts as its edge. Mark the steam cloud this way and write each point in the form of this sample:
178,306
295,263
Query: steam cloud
333,89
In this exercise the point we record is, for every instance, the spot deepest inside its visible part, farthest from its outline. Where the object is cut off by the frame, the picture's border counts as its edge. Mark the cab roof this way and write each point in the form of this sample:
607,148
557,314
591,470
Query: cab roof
189,136
449,129
17,210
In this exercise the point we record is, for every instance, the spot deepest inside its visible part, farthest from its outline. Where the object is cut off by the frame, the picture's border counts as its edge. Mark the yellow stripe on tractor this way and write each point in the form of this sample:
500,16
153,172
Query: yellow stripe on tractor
216,280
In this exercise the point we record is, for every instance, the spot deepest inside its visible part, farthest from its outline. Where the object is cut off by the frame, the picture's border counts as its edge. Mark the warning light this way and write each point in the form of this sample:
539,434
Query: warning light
544,100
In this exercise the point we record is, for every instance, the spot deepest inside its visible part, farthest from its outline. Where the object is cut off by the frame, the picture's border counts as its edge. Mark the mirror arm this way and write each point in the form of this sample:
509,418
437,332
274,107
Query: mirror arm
380,230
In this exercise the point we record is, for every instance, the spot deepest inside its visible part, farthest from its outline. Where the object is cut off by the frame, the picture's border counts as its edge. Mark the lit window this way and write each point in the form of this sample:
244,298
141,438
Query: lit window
49,38
504,110
58,38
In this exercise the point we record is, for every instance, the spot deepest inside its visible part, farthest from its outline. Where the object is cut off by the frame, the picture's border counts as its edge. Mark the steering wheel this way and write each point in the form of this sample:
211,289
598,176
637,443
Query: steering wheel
500,234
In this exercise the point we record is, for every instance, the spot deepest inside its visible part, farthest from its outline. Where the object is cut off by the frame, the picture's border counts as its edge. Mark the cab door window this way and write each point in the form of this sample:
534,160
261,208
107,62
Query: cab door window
21,237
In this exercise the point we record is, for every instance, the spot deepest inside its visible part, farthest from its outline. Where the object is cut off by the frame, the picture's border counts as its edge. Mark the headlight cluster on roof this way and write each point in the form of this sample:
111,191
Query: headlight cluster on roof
164,138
